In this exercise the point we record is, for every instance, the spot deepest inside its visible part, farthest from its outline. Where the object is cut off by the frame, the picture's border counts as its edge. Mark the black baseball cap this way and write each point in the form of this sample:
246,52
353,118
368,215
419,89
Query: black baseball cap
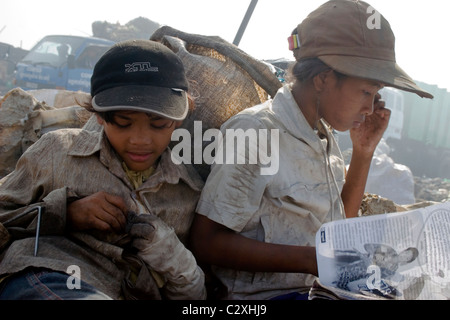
140,75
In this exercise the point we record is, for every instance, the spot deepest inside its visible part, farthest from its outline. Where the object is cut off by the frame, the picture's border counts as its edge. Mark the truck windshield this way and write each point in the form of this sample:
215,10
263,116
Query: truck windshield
53,50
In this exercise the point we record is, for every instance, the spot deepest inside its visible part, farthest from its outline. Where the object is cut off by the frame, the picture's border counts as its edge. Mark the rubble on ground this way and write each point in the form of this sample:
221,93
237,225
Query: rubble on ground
386,178
391,184
375,204
432,189
372,204
24,119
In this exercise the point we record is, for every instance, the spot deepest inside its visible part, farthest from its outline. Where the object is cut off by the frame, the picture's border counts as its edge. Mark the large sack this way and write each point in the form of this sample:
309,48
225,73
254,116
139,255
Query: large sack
60,98
389,179
15,107
224,80
24,119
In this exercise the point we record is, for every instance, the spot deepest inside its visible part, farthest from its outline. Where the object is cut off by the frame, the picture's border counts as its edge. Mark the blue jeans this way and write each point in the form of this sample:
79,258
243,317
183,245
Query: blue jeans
292,296
43,284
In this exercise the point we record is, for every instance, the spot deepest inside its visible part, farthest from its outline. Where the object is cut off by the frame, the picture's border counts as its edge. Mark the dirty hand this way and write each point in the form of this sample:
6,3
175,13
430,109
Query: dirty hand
101,211
368,135
163,252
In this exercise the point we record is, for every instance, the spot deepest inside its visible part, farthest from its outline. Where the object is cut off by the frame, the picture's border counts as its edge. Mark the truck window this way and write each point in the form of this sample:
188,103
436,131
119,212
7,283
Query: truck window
60,61
89,57
52,51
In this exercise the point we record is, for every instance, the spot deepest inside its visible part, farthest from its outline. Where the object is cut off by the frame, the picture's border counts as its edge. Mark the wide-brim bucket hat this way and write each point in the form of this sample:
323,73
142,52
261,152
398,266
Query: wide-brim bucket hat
353,38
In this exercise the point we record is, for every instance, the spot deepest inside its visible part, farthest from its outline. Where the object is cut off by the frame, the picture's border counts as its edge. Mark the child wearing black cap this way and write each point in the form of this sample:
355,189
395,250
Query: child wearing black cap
106,214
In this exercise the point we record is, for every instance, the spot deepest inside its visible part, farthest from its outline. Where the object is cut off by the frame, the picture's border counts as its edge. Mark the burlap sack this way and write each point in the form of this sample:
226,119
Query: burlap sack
224,80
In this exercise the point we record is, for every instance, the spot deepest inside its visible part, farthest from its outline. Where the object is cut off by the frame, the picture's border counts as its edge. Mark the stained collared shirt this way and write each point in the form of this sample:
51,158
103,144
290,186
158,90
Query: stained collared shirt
69,164
285,207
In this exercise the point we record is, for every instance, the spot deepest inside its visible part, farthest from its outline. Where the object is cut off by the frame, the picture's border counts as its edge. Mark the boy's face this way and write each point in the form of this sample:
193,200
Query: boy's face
139,138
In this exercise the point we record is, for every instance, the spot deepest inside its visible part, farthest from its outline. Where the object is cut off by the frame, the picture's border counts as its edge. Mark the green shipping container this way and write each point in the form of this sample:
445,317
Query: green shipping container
424,145
428,120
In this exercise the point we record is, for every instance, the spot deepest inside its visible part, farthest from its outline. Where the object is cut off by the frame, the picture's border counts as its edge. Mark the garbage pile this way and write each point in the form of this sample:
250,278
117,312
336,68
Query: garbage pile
139,28
24,119
432,189
386,178
392,187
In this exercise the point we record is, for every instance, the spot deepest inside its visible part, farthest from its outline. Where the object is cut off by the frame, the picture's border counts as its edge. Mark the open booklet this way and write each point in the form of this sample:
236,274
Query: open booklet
401,255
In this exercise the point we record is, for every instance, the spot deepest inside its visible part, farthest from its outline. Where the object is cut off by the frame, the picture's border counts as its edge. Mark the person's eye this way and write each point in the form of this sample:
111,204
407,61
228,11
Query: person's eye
121,121
161,124
120,125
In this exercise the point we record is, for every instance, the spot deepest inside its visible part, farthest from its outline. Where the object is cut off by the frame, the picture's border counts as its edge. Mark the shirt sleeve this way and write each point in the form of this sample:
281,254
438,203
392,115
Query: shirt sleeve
29,186
234,189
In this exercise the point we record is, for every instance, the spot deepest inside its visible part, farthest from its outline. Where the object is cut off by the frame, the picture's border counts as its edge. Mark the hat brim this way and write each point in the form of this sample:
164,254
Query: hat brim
386,72
169,103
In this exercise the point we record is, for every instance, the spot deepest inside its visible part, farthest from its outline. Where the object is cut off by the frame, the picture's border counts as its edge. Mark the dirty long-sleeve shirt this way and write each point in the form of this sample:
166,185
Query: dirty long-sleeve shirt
69,164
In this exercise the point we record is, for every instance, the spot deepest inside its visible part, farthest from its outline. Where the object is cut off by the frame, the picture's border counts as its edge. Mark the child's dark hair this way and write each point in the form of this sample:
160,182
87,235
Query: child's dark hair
108,116
306,69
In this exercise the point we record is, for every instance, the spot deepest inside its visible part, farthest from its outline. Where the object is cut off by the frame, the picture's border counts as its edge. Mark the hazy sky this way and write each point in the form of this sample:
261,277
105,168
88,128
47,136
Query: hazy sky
421,27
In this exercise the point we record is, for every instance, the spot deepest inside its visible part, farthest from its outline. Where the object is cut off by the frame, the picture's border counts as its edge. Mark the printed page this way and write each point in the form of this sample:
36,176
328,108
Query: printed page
404,255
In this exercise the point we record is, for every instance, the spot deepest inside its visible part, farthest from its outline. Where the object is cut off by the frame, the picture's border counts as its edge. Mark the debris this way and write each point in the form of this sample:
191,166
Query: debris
60,98
432,189
139,28
375,204
386,178
24,119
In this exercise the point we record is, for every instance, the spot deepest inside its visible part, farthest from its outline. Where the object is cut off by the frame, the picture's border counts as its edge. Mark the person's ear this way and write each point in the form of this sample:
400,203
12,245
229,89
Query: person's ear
320,81
178,124
100,120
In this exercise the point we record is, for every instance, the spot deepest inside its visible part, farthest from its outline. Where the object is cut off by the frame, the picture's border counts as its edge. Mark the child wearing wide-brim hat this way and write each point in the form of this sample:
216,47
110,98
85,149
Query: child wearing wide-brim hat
258,231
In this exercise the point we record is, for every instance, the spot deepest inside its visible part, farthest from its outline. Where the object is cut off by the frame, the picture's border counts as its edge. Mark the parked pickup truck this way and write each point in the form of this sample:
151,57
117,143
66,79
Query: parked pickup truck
60,62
